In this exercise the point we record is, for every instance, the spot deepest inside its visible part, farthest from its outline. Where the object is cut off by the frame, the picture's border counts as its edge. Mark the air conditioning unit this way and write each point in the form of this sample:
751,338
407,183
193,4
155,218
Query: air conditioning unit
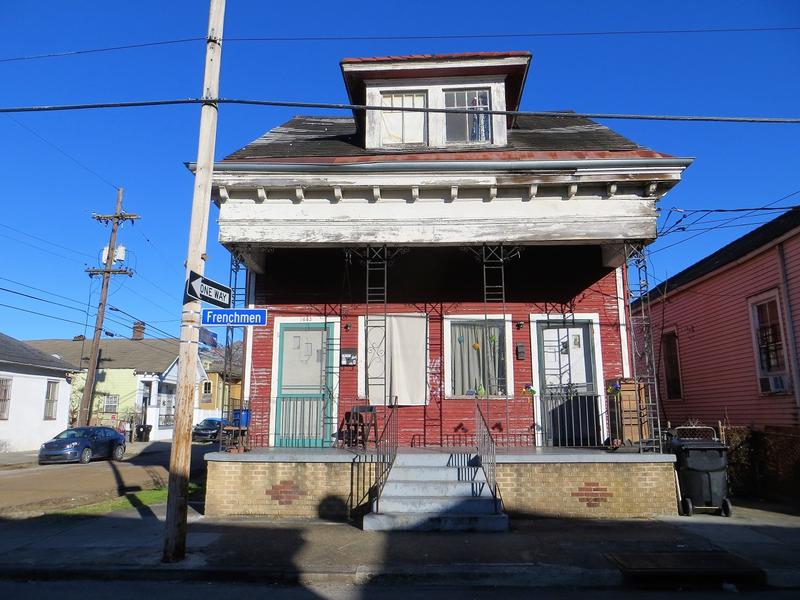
774,384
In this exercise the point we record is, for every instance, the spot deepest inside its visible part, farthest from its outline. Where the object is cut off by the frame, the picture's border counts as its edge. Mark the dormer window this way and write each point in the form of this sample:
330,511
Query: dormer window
470,127
403,127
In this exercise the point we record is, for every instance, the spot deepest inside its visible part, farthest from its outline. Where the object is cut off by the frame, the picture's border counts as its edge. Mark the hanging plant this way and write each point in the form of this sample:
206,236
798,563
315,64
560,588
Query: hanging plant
461,339
493,338
476,346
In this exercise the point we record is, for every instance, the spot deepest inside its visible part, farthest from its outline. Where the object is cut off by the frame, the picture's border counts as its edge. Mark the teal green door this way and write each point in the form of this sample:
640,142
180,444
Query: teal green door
304,404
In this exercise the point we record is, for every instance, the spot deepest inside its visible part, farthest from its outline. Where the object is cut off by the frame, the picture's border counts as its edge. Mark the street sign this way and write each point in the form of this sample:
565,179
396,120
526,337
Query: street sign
208,338
205,290
234,317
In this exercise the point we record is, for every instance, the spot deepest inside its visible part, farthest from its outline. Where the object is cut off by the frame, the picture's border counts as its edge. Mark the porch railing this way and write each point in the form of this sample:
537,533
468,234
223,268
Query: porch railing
572,416
487,452
386,452
304,421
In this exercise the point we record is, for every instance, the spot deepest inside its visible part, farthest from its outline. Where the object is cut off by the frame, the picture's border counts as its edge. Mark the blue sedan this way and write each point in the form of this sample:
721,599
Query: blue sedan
82,444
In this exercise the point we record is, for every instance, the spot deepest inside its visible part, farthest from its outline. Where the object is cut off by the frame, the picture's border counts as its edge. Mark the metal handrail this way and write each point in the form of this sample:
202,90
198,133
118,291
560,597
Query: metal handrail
487,452
386,452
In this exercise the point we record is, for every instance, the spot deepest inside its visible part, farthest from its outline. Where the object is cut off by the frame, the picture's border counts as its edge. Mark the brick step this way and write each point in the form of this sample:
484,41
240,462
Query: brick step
428,473
418,488
435,504
434,522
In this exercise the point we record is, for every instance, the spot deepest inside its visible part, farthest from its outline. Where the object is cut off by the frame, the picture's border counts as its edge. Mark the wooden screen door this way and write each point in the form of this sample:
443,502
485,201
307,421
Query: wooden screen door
304,404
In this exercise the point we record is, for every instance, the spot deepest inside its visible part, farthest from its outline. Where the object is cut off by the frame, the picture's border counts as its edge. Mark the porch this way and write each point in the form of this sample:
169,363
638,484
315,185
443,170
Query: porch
532,481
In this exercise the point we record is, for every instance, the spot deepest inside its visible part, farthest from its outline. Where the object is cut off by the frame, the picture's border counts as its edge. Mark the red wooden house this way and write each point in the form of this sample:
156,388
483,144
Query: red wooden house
433,261
728,332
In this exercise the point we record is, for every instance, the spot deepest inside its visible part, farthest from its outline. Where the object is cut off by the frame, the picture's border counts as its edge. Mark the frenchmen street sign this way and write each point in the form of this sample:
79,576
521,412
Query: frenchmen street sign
205,290
234,317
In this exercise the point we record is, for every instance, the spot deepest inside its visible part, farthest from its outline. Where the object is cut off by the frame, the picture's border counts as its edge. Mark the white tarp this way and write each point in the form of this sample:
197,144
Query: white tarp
402,354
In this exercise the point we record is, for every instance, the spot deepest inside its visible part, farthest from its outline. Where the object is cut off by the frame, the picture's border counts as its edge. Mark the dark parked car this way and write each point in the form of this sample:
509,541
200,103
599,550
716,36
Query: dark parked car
82,444
208,430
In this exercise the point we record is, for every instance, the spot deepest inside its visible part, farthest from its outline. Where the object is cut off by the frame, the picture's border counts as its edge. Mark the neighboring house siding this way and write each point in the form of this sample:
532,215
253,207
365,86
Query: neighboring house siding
120,382
712,321
424,421
26,428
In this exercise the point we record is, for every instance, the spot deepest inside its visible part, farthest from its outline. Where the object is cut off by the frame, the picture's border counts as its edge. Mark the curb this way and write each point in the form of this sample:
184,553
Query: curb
497,575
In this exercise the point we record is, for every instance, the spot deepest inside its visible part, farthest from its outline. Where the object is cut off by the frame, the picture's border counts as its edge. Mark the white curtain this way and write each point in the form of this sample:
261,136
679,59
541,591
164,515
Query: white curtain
401,356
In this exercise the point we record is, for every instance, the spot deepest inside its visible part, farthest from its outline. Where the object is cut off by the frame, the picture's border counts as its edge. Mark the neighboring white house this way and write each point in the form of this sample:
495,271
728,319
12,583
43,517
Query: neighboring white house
34,395
135,382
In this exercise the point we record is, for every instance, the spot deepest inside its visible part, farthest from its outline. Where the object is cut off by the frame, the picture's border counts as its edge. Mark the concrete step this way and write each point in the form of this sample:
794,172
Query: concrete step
434,522
435,459
411,488
435,504
411,473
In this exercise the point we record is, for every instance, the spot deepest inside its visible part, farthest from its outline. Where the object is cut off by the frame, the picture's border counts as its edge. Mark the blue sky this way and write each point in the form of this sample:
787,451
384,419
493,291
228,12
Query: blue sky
49,196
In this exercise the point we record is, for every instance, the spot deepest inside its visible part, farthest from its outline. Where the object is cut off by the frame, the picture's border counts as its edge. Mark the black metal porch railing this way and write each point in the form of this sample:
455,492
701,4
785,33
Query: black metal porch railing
572,416
386,451
487,452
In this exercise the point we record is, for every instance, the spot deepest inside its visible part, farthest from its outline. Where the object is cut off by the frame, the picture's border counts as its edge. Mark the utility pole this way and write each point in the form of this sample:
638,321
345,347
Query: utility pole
180,457
107,271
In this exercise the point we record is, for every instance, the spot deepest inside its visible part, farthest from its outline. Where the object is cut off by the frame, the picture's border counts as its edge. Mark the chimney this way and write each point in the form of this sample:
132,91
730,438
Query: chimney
138,331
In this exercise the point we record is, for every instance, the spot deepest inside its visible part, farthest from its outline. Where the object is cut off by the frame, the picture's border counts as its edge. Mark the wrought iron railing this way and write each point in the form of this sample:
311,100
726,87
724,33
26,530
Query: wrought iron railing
572,416
304,421
487,452
385,452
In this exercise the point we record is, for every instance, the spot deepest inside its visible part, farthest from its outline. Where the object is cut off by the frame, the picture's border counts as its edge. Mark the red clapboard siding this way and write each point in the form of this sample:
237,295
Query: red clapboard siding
441,417
718,362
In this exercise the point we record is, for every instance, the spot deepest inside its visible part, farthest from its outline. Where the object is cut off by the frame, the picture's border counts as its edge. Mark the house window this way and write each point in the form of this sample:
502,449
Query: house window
402,127
206,387
5,398
472,127
51,401
672,368
770,348
110,403
478,358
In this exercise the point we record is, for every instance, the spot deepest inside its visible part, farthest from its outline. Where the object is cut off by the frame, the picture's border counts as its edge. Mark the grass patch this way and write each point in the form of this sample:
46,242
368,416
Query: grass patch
132,500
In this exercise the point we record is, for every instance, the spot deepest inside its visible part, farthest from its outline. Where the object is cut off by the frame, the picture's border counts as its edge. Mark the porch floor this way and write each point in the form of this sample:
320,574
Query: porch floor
546,454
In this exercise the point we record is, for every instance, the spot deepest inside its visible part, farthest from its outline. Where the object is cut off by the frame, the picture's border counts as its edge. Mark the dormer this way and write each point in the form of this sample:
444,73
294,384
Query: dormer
479,82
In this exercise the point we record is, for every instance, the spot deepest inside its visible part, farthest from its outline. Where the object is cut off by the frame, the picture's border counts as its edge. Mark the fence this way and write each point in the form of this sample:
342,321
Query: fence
572,416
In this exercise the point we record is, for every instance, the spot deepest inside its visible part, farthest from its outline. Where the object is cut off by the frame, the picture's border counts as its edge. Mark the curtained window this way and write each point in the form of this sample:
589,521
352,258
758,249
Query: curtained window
478,358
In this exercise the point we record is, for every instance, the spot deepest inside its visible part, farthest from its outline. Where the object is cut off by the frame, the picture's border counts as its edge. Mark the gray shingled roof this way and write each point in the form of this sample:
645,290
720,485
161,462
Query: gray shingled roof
15,352
148,355
336,136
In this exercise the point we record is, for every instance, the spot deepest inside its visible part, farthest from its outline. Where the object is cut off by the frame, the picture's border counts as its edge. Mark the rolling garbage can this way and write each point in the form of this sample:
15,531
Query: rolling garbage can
702,466
140,433
147,430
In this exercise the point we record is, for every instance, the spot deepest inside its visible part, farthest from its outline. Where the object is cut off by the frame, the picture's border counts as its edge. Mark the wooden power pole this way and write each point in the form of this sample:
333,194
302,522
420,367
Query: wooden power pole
107,271
180,457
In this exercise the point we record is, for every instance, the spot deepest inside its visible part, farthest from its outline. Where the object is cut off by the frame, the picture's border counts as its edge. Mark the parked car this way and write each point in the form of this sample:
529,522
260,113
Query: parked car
82,444
208,430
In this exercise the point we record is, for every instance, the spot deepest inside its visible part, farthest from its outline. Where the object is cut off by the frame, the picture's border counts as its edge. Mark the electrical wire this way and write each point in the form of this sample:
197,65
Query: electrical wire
64,152
455,36
367,107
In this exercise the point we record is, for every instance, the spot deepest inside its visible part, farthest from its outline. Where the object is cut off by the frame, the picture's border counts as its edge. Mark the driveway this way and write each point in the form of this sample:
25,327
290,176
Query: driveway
37,489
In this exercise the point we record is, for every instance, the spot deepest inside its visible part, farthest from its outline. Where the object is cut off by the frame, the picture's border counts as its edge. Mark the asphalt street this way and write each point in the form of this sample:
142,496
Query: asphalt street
35,489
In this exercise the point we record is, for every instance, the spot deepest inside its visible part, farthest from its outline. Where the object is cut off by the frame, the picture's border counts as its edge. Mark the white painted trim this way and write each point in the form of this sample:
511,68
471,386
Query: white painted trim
273,386
248,339
434,89
597,344
623,324
420,65
448,376
752,301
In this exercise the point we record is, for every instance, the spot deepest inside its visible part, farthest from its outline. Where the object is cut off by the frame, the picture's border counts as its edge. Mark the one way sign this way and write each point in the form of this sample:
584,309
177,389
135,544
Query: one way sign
200,288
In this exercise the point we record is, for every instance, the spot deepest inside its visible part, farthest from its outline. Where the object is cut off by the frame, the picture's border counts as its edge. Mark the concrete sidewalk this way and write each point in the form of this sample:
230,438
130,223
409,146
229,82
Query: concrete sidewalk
753,548
21,460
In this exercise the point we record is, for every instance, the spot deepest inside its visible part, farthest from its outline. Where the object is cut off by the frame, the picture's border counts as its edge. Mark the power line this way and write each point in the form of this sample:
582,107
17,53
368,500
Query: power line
366,107
32,297
455,36
64,152
40,249
33,312
25,285
50,242
96,50
786,197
